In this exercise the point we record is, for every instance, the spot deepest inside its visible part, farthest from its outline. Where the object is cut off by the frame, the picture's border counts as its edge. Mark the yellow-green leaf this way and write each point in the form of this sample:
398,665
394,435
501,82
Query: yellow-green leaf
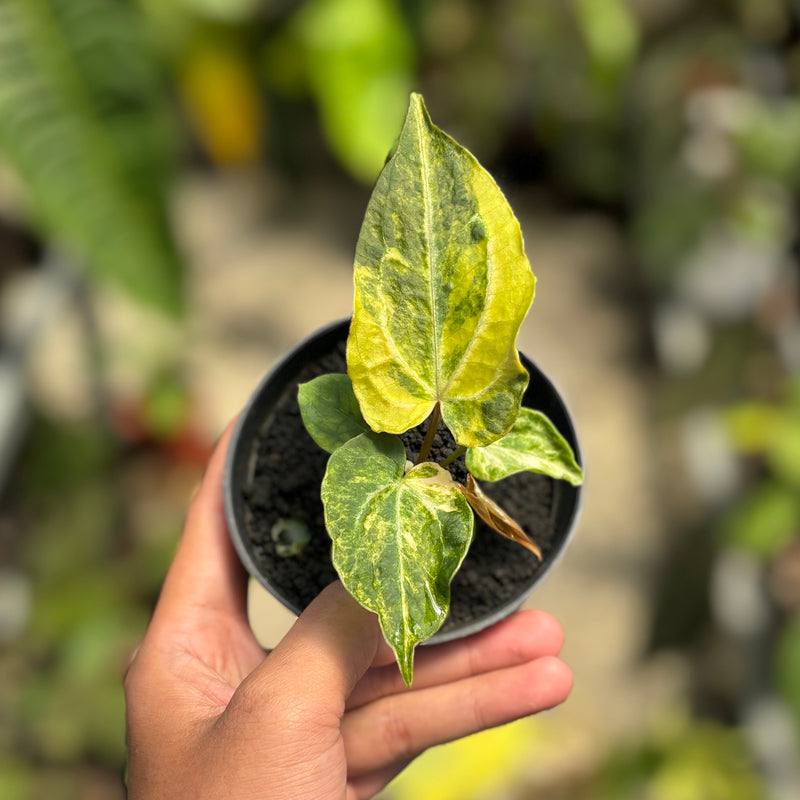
532,445
398,538
442,285
358,58
330,410
496,518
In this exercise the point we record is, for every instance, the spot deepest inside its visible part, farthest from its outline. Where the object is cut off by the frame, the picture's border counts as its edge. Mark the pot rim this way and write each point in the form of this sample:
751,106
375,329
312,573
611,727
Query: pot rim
248,423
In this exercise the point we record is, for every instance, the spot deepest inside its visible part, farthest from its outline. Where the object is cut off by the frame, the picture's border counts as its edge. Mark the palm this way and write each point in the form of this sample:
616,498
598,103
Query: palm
217,658
326,713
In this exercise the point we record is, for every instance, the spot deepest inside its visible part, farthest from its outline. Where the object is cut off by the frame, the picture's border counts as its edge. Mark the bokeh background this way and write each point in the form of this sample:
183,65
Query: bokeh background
181,187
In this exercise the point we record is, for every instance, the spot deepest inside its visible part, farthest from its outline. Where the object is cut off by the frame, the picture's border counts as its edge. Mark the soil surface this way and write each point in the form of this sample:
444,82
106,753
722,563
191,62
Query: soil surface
286,484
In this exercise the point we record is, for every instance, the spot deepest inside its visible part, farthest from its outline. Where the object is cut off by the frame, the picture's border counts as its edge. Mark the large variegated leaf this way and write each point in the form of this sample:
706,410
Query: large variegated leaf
441,287
330,410
398,538
532,445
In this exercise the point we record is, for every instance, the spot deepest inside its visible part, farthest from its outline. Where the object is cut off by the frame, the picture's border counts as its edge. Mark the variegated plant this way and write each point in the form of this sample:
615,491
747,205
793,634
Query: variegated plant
442,285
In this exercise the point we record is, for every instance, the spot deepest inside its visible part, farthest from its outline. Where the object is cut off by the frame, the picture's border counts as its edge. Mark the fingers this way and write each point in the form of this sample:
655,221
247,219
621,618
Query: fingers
205,573
523,637
316,665
399,727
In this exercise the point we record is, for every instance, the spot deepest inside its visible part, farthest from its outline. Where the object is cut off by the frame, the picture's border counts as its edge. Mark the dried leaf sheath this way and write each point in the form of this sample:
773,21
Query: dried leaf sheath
496,518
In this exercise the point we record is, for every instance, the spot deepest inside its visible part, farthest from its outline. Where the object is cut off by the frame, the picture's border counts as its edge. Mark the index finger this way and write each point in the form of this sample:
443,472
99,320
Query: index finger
206,573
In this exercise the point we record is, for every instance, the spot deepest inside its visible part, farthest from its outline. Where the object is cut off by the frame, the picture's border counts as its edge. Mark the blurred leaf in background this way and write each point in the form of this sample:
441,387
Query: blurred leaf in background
222,96
765,519
223,10
682,760
95,559
787,668
611,34
468,768
356,58
769,139
538,88
771,431
83,120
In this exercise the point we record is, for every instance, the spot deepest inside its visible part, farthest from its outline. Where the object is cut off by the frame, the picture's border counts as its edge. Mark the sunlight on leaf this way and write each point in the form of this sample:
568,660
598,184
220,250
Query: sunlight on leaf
442,285
752,425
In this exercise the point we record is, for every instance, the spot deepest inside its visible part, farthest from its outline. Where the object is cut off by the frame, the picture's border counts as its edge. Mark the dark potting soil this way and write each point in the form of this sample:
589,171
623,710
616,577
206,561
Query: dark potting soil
287,471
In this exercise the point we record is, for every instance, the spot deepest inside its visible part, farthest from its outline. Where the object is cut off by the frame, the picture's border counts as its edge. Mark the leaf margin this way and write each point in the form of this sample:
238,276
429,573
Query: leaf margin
492,462
395,404
313,401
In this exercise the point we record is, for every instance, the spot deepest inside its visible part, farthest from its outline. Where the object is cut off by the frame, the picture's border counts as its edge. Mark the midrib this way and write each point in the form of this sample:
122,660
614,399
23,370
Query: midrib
428,212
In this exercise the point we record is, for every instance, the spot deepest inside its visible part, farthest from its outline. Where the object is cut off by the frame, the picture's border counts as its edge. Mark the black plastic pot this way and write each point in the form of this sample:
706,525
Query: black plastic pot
260,486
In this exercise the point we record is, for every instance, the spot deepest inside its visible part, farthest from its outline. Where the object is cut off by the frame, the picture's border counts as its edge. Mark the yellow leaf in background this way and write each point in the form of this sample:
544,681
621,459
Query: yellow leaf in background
751,426
222,98
467,768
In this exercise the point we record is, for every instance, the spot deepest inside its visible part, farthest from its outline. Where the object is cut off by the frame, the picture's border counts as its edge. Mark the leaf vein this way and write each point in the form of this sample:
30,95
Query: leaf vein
427,205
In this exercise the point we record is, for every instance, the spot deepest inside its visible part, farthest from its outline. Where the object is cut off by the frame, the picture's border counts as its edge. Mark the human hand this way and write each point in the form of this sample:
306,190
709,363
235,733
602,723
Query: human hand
324,716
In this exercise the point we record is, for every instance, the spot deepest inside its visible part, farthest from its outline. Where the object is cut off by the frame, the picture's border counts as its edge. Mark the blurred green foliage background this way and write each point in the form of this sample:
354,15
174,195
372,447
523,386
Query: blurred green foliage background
675,121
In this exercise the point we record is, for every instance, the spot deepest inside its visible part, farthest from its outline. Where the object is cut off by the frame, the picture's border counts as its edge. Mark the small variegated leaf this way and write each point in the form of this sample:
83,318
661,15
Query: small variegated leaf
532,445
398,537
496,518
330,410
442,285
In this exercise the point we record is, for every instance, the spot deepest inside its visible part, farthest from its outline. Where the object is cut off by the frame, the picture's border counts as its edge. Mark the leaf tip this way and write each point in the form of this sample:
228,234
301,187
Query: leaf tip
577,478
416,107
405,661
403,647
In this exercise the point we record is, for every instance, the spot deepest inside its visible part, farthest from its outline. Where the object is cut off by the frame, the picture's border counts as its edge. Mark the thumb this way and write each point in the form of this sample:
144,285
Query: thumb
317,664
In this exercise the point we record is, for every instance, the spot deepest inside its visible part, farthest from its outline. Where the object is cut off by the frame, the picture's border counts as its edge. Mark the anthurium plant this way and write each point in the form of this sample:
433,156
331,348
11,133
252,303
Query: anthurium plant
442,285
